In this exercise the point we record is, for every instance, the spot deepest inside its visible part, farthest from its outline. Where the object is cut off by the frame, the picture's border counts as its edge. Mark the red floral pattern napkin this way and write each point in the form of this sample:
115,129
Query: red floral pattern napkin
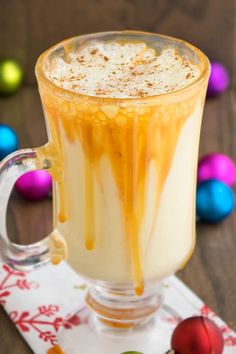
39,302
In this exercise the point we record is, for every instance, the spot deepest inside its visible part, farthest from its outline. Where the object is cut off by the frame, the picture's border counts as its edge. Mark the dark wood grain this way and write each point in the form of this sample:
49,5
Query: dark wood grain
28,27
211,271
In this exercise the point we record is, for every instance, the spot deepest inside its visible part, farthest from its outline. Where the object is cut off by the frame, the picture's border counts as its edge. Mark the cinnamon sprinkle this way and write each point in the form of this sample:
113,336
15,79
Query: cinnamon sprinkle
111,69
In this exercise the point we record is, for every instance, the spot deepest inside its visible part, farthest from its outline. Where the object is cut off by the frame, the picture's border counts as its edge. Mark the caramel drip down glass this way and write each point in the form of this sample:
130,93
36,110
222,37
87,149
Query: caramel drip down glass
124,172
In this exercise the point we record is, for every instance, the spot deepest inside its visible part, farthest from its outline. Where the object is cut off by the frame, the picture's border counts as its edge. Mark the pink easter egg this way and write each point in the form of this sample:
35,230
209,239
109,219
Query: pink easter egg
219,79
217,166
34,185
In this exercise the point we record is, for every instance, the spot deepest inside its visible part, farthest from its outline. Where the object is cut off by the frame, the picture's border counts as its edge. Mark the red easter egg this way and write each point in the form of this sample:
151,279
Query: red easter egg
197,335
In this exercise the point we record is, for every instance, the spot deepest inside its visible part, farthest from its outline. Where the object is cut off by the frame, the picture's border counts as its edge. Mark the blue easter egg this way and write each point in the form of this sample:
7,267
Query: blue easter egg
8,140
215,201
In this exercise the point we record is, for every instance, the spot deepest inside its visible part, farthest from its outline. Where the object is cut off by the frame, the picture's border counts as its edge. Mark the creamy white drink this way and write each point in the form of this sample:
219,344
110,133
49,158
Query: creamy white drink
124,159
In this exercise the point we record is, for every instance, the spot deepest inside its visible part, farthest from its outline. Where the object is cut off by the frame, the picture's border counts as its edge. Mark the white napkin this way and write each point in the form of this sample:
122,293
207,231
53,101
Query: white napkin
38,303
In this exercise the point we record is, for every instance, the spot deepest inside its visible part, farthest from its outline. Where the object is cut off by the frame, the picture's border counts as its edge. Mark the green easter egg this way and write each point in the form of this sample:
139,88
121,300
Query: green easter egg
11,76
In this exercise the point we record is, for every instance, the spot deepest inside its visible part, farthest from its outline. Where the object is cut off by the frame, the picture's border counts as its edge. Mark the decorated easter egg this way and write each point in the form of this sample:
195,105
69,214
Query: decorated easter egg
11,76
34,185
217,166
197,335
219,79
215,201
8,140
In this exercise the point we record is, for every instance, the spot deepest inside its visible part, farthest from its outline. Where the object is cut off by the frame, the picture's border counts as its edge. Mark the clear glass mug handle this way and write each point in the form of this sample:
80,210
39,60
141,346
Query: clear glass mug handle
11,168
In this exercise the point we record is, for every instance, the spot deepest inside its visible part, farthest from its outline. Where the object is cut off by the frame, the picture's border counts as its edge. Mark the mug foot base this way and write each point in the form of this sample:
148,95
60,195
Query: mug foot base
91,336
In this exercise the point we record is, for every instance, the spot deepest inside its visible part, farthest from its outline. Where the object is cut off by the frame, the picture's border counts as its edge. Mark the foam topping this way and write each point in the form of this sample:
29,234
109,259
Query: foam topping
122,70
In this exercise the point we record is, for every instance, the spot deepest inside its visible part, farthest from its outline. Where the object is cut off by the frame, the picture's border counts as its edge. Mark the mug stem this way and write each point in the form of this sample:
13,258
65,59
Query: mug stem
121,309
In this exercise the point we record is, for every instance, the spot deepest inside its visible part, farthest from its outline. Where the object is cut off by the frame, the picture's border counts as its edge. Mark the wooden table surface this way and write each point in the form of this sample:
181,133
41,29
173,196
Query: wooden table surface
210,272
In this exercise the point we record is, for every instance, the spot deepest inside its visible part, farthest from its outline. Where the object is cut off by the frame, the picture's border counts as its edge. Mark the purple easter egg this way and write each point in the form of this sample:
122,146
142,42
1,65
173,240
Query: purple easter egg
219,79
216,166
34,185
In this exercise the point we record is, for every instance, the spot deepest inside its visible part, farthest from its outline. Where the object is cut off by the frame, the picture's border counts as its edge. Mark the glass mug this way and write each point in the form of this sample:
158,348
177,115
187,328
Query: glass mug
124,172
